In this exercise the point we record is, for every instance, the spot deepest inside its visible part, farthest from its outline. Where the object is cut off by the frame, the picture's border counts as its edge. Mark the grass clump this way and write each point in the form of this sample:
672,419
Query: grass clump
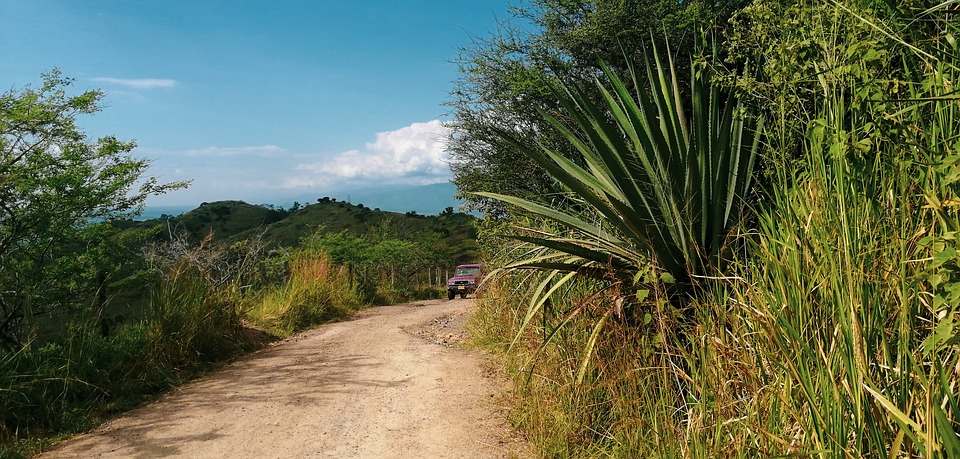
315,292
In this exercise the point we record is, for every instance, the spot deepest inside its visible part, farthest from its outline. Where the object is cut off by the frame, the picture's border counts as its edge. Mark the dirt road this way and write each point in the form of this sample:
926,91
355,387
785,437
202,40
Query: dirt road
389,383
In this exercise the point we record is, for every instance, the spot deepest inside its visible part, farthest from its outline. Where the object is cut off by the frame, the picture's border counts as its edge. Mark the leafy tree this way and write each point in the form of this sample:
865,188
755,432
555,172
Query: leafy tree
342,248
785,55
397,257
58,192
506,79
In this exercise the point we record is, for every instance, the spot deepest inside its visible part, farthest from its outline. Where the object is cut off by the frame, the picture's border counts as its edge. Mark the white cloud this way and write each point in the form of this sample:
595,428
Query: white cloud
415,154
141,83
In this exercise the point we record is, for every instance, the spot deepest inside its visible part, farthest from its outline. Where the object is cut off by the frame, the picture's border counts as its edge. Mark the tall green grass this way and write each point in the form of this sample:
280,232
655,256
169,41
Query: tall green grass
837,295
316,291
852,272
193,319
836,334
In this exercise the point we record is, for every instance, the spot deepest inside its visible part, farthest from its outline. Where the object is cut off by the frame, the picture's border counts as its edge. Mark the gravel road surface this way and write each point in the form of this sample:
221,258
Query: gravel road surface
391,382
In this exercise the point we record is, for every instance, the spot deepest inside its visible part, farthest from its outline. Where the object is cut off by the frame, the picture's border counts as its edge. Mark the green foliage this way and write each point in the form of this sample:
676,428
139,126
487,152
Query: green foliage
787,58
56,190
341,247
507,78
837,334
378,265
658,185
316,291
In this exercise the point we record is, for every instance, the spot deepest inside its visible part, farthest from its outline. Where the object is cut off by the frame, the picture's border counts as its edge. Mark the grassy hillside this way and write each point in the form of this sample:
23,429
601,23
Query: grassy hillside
223,218
451,233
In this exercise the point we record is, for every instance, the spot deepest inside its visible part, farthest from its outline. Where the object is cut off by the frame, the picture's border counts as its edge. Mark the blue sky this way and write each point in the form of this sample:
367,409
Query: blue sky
262,101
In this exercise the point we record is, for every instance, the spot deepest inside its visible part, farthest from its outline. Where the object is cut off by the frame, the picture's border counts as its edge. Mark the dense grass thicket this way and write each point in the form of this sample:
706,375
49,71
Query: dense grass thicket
831,329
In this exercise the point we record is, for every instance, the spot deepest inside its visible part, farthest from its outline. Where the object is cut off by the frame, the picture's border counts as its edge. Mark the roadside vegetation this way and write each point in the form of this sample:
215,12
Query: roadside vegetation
738,245
100,313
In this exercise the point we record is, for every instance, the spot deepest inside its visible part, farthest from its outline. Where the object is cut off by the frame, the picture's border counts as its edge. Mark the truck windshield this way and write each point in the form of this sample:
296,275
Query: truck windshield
470,271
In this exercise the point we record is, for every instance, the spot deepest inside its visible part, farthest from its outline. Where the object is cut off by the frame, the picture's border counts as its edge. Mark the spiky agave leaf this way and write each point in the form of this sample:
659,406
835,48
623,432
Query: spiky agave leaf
660,185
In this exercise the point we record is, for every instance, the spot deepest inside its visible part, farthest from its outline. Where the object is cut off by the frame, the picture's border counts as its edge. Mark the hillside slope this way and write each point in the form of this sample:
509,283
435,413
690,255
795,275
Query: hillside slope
452,233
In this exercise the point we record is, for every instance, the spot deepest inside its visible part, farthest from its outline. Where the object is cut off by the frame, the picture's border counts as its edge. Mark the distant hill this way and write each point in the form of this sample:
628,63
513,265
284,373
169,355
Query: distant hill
224,218
450,232
153,212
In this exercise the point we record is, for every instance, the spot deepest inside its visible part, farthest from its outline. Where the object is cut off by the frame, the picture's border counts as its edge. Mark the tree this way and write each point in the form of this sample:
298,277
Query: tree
505,80
59,192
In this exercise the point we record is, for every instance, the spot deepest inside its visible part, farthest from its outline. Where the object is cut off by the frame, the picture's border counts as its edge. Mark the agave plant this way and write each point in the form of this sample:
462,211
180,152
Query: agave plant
658,186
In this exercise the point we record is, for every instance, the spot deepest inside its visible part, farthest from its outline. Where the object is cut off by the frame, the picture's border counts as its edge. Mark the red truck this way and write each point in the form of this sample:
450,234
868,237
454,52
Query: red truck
465,279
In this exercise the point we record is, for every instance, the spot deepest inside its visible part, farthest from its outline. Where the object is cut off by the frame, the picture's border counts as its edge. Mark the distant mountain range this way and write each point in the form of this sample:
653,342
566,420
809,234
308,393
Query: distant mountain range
424,200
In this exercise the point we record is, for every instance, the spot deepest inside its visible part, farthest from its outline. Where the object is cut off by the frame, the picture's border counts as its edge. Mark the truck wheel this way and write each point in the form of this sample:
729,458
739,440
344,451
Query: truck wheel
450,294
